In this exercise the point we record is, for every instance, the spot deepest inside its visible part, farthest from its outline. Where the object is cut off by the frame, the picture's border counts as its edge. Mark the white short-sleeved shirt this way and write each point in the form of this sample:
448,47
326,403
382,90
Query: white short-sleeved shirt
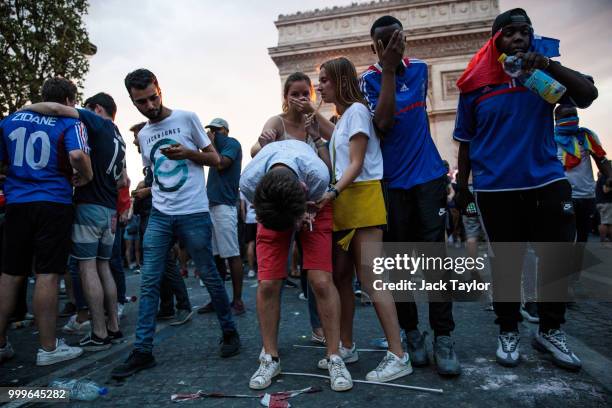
250,217
179,186
296,155
356,119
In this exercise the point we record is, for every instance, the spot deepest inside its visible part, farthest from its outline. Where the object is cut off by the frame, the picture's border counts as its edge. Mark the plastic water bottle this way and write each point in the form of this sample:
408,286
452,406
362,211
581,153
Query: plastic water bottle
81,390
535,80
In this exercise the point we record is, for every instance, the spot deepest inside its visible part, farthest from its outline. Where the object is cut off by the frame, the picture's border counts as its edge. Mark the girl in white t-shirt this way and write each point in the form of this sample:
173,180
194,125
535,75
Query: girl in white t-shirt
359,211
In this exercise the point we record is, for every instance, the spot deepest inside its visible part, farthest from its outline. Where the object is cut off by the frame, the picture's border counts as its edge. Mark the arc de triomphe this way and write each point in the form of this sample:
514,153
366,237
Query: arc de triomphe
444,33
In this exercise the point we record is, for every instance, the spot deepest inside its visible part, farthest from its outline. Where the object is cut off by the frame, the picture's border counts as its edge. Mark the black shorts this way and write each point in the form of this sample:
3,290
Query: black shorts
250,232
39,230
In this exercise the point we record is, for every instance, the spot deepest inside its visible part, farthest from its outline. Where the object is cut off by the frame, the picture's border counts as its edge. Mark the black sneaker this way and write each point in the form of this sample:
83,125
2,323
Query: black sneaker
444,355
415,343
182,317
209,308
91,342
135,362
115,337
163,315
230,344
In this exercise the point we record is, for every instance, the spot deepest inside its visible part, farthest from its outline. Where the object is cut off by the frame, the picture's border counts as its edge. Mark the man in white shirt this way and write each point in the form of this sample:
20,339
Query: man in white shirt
175,146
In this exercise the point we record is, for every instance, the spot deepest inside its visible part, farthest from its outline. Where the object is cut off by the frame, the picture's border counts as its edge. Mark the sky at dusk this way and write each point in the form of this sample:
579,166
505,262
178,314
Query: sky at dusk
212,57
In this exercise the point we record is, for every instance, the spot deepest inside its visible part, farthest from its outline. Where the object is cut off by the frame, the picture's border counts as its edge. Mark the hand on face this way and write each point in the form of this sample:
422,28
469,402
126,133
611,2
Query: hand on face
391,56
302,105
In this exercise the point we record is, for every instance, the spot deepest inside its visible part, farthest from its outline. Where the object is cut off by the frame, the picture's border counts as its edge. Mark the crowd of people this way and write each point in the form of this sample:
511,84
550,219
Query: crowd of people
326,186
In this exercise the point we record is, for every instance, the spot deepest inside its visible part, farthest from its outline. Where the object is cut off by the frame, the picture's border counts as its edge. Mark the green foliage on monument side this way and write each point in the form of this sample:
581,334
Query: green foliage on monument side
40,39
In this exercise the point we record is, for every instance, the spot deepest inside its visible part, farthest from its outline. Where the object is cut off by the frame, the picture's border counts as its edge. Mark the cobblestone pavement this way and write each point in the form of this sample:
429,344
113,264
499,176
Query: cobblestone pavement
187,361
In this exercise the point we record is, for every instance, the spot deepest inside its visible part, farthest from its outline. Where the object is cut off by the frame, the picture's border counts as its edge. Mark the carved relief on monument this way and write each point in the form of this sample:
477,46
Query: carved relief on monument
449,87
357,18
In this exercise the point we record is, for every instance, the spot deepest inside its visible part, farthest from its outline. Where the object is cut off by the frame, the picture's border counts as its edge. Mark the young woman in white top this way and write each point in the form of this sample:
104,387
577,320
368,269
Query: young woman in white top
298,96
359,212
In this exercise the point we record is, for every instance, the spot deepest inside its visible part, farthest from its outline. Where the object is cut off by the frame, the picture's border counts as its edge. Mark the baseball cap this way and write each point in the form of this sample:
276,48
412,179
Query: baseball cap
218,123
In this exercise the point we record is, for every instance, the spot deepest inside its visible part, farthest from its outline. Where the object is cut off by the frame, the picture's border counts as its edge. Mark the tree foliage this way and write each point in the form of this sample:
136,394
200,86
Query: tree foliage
40,39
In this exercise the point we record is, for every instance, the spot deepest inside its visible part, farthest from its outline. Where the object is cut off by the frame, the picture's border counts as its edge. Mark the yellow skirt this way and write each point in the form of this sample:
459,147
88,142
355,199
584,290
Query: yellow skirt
360,205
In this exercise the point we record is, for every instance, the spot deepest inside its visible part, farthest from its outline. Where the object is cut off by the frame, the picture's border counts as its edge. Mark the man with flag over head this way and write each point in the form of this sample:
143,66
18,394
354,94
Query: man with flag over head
506,135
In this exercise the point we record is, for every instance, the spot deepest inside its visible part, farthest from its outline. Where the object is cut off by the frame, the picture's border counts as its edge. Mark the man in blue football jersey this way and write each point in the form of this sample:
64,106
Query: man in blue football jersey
415,180
506,135
95,221
43,155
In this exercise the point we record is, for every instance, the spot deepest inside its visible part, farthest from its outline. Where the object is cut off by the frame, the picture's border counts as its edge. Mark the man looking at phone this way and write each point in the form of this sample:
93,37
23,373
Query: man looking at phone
175,146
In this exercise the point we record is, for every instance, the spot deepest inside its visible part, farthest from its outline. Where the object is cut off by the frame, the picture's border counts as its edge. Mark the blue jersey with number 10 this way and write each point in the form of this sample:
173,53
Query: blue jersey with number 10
36,148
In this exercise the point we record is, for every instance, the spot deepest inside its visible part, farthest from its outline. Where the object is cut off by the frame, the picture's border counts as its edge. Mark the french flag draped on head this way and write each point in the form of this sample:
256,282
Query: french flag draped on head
485,69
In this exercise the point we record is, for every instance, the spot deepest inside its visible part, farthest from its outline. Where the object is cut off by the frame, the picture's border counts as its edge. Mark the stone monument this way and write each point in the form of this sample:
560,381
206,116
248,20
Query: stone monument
443,33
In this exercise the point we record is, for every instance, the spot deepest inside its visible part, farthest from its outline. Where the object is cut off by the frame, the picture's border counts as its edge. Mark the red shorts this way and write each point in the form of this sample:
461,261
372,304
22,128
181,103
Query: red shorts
273,247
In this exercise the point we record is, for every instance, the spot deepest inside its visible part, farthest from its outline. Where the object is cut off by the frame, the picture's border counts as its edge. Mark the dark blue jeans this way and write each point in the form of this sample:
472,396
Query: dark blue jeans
195,231
173,285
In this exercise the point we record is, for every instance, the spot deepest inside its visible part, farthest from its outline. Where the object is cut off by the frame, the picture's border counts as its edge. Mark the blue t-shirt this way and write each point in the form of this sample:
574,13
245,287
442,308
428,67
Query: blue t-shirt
107,161
36,149
410,156
222,186
511,134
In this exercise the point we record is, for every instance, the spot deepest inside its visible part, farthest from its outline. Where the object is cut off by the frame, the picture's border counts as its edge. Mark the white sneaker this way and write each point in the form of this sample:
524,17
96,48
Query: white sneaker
390,368
348,356
120,310
555,343
251,274
508,354
74,327
268,369
339,377
62,352
6,352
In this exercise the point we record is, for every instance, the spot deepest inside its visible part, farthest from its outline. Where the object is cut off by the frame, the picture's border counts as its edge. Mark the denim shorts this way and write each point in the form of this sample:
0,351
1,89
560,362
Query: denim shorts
93,232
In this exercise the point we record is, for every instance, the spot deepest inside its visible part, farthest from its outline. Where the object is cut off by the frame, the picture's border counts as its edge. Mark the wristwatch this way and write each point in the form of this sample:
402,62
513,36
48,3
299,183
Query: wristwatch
332,189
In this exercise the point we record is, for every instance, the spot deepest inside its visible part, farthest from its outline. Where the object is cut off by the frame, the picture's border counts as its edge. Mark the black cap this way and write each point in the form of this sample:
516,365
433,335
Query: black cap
517,15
